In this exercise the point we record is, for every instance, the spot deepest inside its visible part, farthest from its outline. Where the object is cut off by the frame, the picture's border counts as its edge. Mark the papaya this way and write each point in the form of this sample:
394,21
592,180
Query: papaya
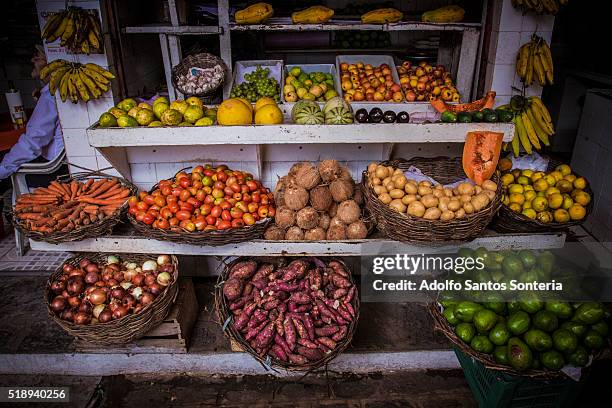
485,102
382,16
254,14
447,14
312,15
480,155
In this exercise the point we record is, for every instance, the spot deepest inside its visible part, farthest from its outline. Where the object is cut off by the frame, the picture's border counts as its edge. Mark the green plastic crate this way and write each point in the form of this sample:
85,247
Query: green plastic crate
494,389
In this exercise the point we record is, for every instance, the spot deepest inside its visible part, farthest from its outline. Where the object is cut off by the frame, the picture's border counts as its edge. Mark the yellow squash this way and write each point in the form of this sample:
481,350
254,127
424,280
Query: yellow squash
254,14
382,16
312,15
447,14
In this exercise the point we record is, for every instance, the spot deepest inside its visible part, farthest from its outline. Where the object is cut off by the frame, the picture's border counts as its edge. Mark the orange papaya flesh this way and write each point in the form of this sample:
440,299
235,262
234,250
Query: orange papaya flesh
486,102
480,155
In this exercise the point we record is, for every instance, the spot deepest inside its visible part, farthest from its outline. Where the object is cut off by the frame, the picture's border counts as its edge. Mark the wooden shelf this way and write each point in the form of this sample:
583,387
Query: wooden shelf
172,30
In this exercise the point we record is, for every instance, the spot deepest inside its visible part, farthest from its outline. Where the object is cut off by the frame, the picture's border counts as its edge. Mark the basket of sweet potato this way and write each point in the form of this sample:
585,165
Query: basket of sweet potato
84,205
297,314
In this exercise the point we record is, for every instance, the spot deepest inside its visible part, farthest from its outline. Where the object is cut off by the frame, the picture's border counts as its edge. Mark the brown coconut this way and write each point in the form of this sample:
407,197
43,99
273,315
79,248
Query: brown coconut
307,218
324,220
345,174
294,234
358,194
274,233
296,197
357,230
336,232
341,190
307,176
349,211
296,167
333,209
284,217
334,222
329,170
321,198
315,234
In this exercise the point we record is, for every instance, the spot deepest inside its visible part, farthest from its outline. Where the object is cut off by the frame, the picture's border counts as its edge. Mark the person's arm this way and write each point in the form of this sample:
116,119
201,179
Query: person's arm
40,130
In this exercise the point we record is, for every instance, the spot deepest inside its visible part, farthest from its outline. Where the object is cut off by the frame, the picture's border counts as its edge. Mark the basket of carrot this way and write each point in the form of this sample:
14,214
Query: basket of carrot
72,208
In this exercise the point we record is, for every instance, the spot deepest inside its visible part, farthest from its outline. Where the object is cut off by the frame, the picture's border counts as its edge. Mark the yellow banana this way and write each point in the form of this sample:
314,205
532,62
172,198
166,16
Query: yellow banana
100,70
93,89
94,25
60,28
56,78
85,47
72,92
93,40
69,31
98,78
51,67
539,70
546,57
542,108
522,59
540,120
52,24
80,86
540,132
63,88
523,134
516,144
530,131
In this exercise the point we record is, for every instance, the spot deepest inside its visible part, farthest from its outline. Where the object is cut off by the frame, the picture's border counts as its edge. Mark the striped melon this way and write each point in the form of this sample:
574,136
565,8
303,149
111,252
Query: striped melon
338,116
306,112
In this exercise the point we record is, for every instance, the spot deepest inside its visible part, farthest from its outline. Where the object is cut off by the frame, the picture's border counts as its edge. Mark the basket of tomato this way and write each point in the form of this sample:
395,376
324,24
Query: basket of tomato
210,206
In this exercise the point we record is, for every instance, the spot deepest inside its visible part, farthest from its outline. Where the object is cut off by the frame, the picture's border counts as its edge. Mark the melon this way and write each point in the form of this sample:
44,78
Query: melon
339,116
336,102
307,113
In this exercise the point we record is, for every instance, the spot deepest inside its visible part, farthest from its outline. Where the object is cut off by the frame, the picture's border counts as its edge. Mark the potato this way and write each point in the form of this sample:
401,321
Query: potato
480,201
410,188
465,188
432,213
465,198
376,181
381,172
398,206
425,183
396,193
448,192
447,215
477,190
387,181
489,185
385,198
424,190
468,208
380,189
400,181
398,172
372,167
490,194
408,198
438,193
429,201
416,209
460,213
454,204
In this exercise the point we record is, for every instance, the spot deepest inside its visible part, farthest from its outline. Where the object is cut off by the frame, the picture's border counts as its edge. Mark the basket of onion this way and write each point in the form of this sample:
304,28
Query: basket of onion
104,300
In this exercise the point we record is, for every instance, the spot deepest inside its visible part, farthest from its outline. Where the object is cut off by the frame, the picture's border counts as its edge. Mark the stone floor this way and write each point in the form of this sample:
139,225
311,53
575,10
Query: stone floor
33,262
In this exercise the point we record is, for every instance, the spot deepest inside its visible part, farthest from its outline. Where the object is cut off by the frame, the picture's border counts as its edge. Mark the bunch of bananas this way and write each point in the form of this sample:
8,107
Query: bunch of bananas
539,6
79,30
77,81
532,124
534,61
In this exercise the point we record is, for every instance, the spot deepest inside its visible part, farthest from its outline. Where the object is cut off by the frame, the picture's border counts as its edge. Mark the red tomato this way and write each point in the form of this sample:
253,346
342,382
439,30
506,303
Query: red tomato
210,228
222,175
241,205
216,211
208,172
226,216
252,207
232,201
173,221
200,224
207,189
184,195
248,219
163,223
271,211
207,181
153,213
176,191
132,201
264,199
183,215
197,184
193,201
155,207
192,190
163,183
149,199
262,211
210,220
236,212
156,193
140,215
198,169
148,219
185,182
189,226
200,195
205,209
217,193
226,205
174,207
228,191
236,188
171,199
244,188
160,201
133,210
237,223
252,185
165,212
186,207
231,180
209,199
180,175
142,195
223,225
256,196
237,196
219,185
246,197
142,206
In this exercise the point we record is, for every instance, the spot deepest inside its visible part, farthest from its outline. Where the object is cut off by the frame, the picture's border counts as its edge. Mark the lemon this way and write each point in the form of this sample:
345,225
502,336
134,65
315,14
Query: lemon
268,115
540,185
564,186
526,204
540,194
567,202
530,195
580,183
561,215
528,187
551,191
557,175
545,217
555,200
577,212
563,169
183,124
550,179
539,204
515,207
522,180
570,178
234,112
529,212
516,188
263,101
505,199
527,172
537,175
507,179
517,198
582,198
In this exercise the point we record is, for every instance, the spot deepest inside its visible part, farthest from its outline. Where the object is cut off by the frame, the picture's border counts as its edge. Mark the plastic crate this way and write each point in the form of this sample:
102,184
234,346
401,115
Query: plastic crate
500,390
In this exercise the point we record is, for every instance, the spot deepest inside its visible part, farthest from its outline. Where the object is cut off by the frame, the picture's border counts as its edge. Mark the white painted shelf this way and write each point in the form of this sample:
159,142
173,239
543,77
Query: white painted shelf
139,244
284,24
291,134
172,30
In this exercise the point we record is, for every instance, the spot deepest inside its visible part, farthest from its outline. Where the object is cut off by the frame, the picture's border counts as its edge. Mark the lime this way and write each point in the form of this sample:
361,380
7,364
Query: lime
601,328
528,258
464,311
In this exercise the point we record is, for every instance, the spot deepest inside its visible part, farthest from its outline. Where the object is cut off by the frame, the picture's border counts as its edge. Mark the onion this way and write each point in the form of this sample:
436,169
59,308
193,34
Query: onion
119,276
67,268
76,272
58,304
128,301
149,266
85,307
128,275
112,259
100,284
131,265
91,278
92,267
97,297
74,301
58,287
105,316
94,321
112,282
114,267
155,289
120,312
113,305
82,318
147,298
163,259
125,285
138,308
98,309
138,269
106,275
164,278
68,315
136,292
75,285
166,268
149,279
84,262
117,292
138,279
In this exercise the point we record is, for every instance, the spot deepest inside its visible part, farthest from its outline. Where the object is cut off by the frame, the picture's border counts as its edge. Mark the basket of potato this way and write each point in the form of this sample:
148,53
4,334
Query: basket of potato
443,206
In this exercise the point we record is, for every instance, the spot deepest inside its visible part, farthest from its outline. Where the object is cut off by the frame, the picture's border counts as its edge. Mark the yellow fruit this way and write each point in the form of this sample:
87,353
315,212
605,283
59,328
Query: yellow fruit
446,14
564,186
179,105
507,179
555,200
144,105
161,99
132,112
171,117
550,179
551,191
247,103
515,189
312,15
159,108
127,104
539,204
205,121
577,212
537,176
144,117
254,14
266,100
526,205
530,195
107,120
193,113
580,183
268,115
582,198
557,175
529,213
116,112
563,169
505,199
528,187
545,217
540,185
517,198
567,202
155,123
524,180
234,112
194,100
527,172
382,16
561,215
540,194
515,207
570,178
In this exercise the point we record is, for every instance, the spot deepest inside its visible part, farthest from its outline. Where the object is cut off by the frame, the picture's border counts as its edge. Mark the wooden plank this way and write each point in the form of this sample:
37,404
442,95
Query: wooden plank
168,29
163,42
467,63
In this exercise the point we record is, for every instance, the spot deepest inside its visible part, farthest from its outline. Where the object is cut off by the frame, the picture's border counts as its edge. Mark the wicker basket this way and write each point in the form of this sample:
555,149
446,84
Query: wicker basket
510,221
224,315
92,230
405,228
203,60
128,328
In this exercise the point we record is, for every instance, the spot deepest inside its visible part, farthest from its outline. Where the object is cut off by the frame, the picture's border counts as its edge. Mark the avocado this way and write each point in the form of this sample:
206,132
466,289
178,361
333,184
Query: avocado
601,328
500,354
499,334
528,258
589,313
553,360
481,344
490,116
484,320
578,329
520,356
564,340
464,311
448,117
593,340
579,357
538,340
465,253
512,266
546,260
478,116
504,115
560,309
532,305
497,307
545,320
518,322
465,331
449,314
513,307
464,117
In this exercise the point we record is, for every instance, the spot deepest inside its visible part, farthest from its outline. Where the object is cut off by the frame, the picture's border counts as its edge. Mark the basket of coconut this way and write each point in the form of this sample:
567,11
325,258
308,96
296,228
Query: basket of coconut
319,202
429,200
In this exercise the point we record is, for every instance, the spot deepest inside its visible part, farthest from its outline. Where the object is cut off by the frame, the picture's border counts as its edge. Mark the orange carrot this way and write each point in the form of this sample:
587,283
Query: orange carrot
87,185
30,216
106,201
114,189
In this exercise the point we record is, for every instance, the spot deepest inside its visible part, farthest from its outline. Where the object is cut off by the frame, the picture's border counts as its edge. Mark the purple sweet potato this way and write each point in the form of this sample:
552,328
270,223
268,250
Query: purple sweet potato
278,352
248,290
309,324
281,342
343,311
307,343
340,334
244,317
243,270
327,330
271,304
257,317
338,268
349,295
297,359
338,293
238,303
262,272
327,342
232,289
265,336
314,279
310,354
299,327
300,298
290,334
295,270
253,332
350,308
340,281
303,308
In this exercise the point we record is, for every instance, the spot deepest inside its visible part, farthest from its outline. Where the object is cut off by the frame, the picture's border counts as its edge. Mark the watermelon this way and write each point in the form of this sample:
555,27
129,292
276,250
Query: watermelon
336,102
339,116
306,112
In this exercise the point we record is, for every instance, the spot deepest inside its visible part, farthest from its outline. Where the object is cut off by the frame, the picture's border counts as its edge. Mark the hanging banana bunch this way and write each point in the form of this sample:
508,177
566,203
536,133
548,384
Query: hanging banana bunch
534,62
76,81
78,29
539,6
532,124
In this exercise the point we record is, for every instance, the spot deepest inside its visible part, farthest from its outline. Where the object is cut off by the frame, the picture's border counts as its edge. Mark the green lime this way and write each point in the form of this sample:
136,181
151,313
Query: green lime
528,258
601,328
546,260
448,117
578,329
464,117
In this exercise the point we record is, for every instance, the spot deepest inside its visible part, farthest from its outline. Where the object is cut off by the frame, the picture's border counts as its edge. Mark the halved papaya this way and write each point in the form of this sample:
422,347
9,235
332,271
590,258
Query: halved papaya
485,102
481,154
